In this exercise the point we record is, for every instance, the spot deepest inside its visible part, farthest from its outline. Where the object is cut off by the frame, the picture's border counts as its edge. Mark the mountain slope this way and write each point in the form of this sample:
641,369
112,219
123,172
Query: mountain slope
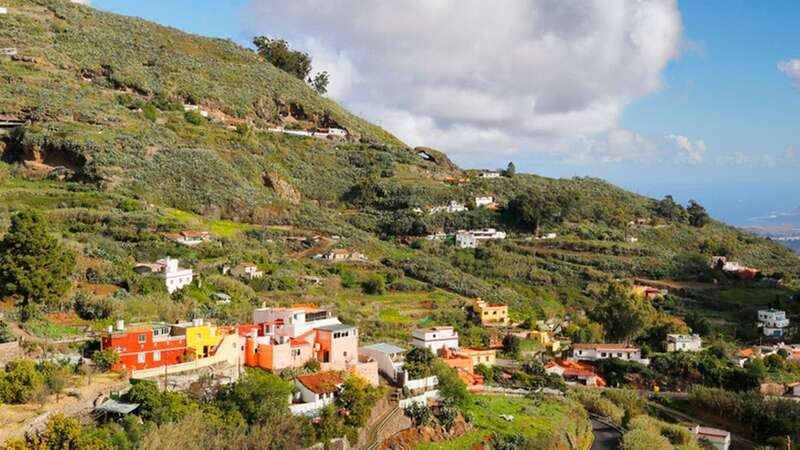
102,100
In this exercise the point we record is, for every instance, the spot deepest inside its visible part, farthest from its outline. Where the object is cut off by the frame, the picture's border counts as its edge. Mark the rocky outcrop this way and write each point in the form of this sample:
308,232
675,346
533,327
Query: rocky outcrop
436,157
281,187
408,439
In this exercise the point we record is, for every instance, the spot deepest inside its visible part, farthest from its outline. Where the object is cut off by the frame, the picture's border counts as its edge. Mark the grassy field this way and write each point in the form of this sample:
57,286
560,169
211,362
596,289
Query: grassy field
543,423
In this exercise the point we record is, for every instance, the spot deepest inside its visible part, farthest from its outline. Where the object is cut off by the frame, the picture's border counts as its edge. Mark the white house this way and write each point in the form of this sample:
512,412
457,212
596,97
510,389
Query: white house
452,207
3,10
175,277
485,201
470,239
465,239
489,174
247,270
773,322
631,239
719,439
595,352
315,391
390,358
338,132
435,338
8,51
684,343
340,254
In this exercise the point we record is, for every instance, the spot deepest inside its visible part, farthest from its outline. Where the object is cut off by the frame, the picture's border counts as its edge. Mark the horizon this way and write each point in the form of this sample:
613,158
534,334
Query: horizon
695,122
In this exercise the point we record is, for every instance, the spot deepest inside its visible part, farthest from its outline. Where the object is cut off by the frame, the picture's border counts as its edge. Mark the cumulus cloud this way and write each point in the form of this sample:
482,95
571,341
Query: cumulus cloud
688,151
791,68
471,76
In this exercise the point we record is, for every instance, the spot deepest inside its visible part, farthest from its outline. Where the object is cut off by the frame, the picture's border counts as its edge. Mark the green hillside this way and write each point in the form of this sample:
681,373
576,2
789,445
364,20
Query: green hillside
107,152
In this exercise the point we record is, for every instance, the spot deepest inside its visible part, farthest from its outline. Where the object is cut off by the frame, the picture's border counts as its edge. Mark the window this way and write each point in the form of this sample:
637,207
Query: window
140,358
156,356
296,352
142,339
602,355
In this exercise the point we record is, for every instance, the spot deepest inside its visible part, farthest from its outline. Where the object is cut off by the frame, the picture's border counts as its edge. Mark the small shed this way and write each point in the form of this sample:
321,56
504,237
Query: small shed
3,10
116,408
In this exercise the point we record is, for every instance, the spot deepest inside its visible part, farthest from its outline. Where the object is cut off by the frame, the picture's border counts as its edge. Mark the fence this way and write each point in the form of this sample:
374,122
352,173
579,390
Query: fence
422,398
422,383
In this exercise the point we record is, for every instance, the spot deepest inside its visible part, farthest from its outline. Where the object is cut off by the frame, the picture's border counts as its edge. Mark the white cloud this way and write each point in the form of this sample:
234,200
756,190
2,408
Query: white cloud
471,76
688,151
791,68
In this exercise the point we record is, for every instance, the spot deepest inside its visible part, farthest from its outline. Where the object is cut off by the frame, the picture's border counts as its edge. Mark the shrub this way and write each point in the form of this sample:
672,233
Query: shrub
375,284
5,333
419,413
193,117
149,112
20,381
596,404
644,440
105,359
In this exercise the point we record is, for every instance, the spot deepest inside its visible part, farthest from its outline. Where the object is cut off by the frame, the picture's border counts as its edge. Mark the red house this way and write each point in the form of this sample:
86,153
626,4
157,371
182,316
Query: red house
145,346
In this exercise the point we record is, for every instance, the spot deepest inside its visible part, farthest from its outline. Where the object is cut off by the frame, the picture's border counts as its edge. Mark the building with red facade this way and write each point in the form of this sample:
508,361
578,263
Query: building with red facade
145,346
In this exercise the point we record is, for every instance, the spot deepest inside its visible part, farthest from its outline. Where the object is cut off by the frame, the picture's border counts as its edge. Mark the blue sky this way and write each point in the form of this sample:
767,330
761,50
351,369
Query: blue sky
717,87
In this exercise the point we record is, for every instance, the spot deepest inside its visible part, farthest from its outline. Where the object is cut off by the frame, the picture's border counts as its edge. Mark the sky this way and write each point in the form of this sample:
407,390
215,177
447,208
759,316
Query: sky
698,99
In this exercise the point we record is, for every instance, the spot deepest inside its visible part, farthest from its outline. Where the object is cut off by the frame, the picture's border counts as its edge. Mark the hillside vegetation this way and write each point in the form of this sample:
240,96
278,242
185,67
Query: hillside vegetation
109,155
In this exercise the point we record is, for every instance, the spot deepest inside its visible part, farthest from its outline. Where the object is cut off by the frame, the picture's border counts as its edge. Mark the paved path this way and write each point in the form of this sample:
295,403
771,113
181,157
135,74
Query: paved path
605,437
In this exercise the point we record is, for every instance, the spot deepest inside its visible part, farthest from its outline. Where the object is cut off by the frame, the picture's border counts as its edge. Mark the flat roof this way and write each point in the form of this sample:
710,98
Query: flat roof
116,407
385,348
336,327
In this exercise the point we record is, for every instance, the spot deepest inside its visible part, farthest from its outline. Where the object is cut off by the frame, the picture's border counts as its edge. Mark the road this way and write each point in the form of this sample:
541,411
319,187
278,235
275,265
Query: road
605,437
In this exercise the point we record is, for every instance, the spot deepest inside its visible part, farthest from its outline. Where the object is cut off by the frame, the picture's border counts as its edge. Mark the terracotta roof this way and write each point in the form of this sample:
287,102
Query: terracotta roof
615,347
322,382
745,352
306,306
247,264
791,385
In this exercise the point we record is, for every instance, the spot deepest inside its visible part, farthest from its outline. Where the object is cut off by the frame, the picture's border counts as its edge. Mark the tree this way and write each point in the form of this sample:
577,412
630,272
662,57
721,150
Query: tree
419,363
259,397
320,82
375,284
623,315
356,396
278,53
329,425
670,210
698,217
699,324
511,170
450,385
20,381
532,208
105,359
33,264
511,344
